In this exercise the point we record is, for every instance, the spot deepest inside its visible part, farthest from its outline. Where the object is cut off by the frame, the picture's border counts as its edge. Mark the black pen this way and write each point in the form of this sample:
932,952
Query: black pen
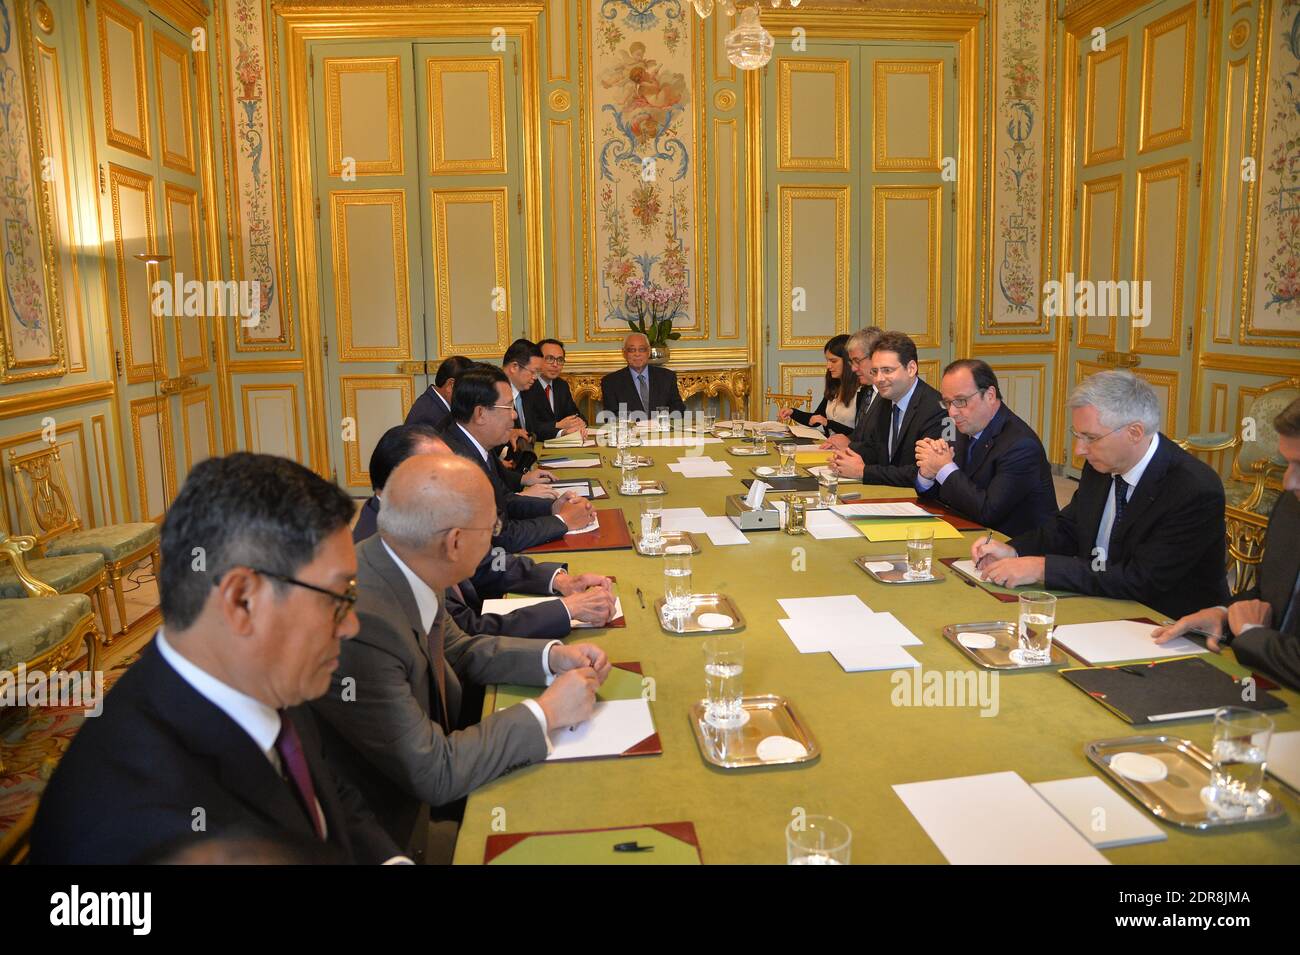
632,847
640,597
1133,670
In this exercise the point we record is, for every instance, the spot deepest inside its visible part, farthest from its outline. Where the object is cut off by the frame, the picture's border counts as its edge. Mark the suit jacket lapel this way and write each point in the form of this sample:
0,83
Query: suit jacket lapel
1141,497
373,553
242,769
979,454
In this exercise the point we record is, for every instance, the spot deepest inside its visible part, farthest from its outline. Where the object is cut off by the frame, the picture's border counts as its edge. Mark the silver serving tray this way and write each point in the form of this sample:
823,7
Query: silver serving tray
643,487
701,604
669,539
899,574
744,451
1006,632
737,748
1176,799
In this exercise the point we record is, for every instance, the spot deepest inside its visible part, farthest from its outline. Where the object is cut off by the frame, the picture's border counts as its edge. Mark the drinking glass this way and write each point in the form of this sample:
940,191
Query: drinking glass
828,484
787,450
759,441
661,418
817,840
628,482
795,514
920,551
652,518
707,421
724,668
677,580
622,438
1239,756
1037,620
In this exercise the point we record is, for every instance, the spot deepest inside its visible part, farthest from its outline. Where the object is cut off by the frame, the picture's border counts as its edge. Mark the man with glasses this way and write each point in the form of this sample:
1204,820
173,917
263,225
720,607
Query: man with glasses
858,348
909,413
206,733
392,713
637,390
482,414
994,470
1146,522
522,364
549,403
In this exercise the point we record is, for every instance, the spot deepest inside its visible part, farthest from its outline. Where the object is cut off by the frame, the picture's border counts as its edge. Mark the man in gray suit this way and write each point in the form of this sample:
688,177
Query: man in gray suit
389,717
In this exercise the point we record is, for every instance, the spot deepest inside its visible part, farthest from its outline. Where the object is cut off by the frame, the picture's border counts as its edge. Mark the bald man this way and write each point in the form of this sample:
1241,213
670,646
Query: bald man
389,716
635,391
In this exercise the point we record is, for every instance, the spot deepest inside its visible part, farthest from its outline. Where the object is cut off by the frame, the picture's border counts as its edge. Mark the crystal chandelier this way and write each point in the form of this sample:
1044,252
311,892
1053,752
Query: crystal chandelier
749,46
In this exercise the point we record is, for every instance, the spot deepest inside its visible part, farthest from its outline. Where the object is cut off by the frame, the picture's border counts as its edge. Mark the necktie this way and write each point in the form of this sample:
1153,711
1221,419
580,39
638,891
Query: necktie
289,746
550,398
643,389
1121,498
970,452
519,409
439,670
864,402
1289,615
893,431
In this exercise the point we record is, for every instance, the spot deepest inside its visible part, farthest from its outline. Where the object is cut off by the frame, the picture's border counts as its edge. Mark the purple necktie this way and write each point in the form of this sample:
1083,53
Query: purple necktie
289,746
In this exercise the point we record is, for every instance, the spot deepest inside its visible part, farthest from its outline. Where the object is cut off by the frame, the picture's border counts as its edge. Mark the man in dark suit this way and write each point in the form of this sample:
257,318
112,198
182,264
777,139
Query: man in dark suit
638,389
1262,624
549,403
995,470
586,597
390,714
858,349
1146,522
481,416
522,363
434,404
206,733
911,412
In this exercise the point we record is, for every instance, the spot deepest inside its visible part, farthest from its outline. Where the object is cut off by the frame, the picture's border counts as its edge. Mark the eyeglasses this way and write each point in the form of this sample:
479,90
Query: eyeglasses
1087,439
344,602
495,528
554,359
855,362
959,402
502,407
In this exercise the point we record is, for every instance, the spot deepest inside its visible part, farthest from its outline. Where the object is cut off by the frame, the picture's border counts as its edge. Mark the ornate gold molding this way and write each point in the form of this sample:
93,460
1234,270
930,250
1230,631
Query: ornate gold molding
44,16
48,399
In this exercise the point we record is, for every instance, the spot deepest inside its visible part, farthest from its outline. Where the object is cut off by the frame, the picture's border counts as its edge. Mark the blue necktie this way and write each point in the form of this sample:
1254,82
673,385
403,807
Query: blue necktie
1121,498
893,433
644,391
970,453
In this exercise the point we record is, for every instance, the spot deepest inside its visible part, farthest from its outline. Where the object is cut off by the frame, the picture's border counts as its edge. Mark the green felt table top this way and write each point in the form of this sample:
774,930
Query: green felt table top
868,744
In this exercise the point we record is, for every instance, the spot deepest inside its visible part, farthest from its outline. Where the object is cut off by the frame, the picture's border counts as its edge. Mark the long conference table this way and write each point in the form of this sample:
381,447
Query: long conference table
867,743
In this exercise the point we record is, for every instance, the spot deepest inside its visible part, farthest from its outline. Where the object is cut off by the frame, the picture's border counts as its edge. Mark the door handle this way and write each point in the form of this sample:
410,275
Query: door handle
412,368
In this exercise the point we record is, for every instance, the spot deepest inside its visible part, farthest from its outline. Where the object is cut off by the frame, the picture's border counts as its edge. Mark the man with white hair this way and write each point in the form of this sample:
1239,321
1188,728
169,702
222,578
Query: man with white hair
1146,522
640,388
390,718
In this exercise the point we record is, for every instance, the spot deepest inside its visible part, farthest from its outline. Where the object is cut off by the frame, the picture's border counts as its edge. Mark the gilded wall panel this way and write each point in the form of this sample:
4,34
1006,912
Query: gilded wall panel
370,268
155,459
815,264
564,239
1099,246
467,131
376,403
1104,103
1168,58
1160,254
905,91
472,280
363,115
121,65
270,413
728,215
813,114
182,216
172,75
906,261
134,232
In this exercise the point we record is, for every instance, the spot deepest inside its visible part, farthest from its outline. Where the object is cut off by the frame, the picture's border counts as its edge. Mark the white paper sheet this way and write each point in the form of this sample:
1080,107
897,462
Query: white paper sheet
1284,758
593,526
824,525
843,605
680,441
723,532
857,659
830,632
615,727
967,567
1099,813
504,605
1112,640
995,819
820,469
805,432
887,509
689,519
582,490
571,440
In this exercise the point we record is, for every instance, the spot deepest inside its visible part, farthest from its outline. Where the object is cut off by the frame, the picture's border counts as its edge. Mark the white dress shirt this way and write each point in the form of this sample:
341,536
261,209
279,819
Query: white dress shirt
427,603
845,414
1131,477
487,458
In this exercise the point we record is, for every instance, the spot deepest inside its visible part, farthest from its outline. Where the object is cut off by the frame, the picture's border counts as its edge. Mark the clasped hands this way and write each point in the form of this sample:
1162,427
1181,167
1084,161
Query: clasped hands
579,669
589,598
932,456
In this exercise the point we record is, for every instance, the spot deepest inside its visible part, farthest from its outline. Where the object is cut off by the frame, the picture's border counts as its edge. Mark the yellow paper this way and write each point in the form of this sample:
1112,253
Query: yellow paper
878,531
812,458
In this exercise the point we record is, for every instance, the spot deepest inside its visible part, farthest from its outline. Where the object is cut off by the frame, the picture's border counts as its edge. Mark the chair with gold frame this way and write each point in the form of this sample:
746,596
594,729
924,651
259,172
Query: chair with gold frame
1254,485
49,514
69,574
44,630
784,401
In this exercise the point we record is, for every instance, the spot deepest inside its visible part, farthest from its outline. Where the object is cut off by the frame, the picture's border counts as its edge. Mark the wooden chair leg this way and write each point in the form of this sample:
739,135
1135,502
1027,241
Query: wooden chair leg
115,575
155,557
105,617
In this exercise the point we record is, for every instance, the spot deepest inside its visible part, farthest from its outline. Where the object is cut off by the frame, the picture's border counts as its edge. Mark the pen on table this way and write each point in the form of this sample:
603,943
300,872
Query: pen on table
1132,670
641,597
632,847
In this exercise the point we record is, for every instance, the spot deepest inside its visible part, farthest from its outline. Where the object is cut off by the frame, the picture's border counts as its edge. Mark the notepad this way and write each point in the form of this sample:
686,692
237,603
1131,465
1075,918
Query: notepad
823,525
995,819
1098,813
572,439
863,657
570,463
1109,641
615,727
870,509
593,526
967,569
805,432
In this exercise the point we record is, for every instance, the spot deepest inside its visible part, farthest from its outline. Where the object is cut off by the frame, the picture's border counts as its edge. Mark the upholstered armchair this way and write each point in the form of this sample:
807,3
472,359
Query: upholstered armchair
69,574
1253,486
49,514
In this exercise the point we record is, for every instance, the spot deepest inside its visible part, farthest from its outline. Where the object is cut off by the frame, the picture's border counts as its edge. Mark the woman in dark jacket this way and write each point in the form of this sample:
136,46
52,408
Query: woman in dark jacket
836,413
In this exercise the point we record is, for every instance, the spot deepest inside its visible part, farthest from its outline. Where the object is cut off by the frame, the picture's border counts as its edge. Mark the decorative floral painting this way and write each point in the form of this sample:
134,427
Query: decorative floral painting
30,333
254,175
1019,143
643,158
1277,268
